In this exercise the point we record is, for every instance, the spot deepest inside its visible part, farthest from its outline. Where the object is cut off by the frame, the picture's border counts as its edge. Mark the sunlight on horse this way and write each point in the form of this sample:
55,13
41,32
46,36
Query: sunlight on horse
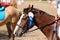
9,11
41,19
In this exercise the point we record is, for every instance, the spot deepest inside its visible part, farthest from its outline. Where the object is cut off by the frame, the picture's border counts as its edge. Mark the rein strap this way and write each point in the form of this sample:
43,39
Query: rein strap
48,24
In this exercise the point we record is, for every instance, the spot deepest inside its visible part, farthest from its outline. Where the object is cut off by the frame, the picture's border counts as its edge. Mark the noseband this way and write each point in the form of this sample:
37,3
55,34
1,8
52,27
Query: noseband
19,26
25,21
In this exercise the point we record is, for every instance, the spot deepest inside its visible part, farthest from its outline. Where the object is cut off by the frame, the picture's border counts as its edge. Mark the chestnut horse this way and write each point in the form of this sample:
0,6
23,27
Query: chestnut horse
44,21
11,17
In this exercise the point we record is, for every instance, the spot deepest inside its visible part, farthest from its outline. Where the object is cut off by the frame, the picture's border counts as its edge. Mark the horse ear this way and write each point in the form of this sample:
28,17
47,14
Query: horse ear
32,6
29,6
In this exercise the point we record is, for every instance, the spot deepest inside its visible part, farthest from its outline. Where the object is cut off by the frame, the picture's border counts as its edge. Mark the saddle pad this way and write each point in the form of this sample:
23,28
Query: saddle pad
2,13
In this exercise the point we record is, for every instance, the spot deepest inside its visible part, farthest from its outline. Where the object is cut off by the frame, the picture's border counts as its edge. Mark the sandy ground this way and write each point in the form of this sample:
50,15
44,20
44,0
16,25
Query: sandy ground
30,35
34,35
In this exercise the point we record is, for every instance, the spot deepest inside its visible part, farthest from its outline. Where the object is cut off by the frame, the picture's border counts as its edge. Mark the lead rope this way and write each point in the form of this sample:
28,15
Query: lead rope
55,26
55,31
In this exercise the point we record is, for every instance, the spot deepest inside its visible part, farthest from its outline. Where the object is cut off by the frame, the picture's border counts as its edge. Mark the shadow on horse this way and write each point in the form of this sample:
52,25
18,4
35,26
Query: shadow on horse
45,22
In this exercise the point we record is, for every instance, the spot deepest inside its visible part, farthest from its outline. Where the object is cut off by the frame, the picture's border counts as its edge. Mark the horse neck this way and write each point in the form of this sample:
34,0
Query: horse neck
42,18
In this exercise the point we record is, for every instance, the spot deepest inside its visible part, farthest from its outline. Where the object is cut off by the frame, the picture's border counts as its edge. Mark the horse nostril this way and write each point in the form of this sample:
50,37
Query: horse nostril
16,34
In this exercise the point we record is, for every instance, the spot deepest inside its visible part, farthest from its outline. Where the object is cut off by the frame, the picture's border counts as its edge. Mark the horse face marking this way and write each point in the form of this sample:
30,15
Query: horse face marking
18,23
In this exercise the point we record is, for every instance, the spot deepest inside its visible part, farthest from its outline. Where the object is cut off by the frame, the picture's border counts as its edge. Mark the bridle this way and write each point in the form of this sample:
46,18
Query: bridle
26,19
54,21
19,26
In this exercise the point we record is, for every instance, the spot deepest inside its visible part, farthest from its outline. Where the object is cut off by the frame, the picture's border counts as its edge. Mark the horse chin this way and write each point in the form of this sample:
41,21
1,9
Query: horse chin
19,33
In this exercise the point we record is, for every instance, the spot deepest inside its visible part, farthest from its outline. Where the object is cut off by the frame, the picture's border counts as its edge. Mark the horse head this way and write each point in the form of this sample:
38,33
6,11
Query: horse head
32,16
25,21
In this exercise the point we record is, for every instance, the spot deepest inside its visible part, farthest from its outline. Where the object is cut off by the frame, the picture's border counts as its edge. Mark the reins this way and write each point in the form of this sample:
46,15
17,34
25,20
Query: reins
46,25
49,23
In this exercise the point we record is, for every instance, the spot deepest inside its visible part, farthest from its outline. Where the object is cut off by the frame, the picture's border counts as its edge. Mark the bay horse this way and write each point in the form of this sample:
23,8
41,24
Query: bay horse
11,17
44,21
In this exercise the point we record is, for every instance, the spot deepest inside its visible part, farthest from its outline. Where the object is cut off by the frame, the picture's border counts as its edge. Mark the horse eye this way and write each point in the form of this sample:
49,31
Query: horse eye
23,18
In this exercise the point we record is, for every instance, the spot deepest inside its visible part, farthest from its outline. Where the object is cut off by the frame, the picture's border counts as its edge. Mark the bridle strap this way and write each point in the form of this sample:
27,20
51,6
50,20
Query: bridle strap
19,26
49,23
25,23
42,27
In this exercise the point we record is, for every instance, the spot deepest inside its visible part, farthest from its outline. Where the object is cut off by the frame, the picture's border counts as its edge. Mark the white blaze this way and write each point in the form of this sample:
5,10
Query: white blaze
16,28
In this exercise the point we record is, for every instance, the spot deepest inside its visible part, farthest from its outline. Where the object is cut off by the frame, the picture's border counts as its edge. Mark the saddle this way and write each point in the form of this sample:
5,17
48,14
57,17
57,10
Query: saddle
2,12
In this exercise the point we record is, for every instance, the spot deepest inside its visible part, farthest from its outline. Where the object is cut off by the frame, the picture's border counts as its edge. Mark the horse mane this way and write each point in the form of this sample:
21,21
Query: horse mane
37,10
43,12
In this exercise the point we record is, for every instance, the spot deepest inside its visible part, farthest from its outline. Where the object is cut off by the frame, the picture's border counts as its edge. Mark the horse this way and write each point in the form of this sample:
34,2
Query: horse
44,21
11,17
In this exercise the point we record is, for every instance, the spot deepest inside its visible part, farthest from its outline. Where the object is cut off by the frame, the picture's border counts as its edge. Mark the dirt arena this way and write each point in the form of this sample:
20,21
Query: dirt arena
34,35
